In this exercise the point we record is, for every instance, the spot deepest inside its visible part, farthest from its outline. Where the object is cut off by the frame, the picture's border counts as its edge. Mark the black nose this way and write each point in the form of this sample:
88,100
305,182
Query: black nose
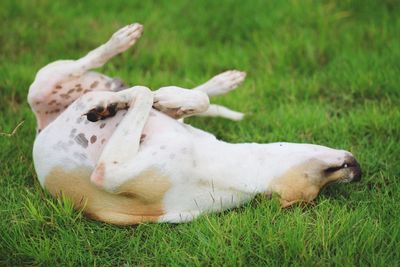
355,168
357,173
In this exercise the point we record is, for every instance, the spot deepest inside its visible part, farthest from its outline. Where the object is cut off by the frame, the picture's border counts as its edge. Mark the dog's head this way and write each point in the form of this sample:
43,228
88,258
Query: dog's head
306,169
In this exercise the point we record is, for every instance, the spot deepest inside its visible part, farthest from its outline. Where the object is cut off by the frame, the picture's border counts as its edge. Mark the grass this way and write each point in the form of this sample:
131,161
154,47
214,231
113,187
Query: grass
324,72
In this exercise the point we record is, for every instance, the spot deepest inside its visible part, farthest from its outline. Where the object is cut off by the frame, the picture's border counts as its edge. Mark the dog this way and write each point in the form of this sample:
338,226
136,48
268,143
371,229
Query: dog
123,157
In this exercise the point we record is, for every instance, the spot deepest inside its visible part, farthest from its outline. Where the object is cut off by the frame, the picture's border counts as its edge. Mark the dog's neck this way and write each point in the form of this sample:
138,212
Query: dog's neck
247,167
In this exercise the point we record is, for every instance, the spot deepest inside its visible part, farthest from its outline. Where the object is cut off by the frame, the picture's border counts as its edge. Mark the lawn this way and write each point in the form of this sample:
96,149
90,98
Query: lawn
324,72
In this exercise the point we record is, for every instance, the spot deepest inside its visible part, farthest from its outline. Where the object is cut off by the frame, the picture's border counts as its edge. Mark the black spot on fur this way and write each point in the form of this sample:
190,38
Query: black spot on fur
66,96
81,140
142,137
119,85
80,156
61,146
93,139
112,109
72,133
94,84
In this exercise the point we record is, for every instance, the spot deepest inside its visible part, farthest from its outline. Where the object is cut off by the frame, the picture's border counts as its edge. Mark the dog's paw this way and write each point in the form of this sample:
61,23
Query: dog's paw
178,102
223,83
105,109
125,37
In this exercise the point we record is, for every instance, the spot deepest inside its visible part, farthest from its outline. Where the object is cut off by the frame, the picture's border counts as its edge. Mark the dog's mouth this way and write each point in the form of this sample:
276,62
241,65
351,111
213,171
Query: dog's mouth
349,171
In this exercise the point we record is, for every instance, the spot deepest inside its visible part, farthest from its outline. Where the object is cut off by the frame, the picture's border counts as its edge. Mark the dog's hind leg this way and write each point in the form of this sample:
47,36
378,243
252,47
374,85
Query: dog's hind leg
60,83
116,162
218,85
137,187
118,43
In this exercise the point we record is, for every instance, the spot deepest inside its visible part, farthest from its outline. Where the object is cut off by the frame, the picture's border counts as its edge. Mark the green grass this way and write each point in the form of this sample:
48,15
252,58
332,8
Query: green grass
324,72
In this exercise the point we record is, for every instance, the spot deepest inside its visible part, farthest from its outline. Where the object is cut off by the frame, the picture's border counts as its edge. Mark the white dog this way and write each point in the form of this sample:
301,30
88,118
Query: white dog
123,161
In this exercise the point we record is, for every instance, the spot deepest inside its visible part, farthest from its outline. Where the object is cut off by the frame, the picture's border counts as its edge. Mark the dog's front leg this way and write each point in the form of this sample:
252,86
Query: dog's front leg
179,102
222,83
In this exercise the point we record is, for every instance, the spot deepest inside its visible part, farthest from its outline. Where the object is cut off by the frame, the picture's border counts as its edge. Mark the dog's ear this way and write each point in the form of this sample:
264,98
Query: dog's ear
297,185
286,204
289,196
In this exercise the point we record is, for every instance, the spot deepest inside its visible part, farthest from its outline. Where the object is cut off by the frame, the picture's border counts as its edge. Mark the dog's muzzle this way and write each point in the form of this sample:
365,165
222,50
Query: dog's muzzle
354,167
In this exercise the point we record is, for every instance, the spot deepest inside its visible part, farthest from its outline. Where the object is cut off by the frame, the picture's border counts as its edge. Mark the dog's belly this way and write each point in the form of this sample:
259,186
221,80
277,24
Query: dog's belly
75,138
73,142
71,138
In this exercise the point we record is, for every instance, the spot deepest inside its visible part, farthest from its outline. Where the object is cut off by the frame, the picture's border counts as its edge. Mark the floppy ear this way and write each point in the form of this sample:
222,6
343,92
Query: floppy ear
289,195
296,185
287,204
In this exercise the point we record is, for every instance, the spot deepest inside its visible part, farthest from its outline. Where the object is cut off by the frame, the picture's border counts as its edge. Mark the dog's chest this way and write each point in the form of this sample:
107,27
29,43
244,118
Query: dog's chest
74,135
71,136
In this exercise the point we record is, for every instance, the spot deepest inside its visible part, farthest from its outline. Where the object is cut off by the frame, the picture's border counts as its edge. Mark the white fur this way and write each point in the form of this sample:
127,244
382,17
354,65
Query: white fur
206,174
